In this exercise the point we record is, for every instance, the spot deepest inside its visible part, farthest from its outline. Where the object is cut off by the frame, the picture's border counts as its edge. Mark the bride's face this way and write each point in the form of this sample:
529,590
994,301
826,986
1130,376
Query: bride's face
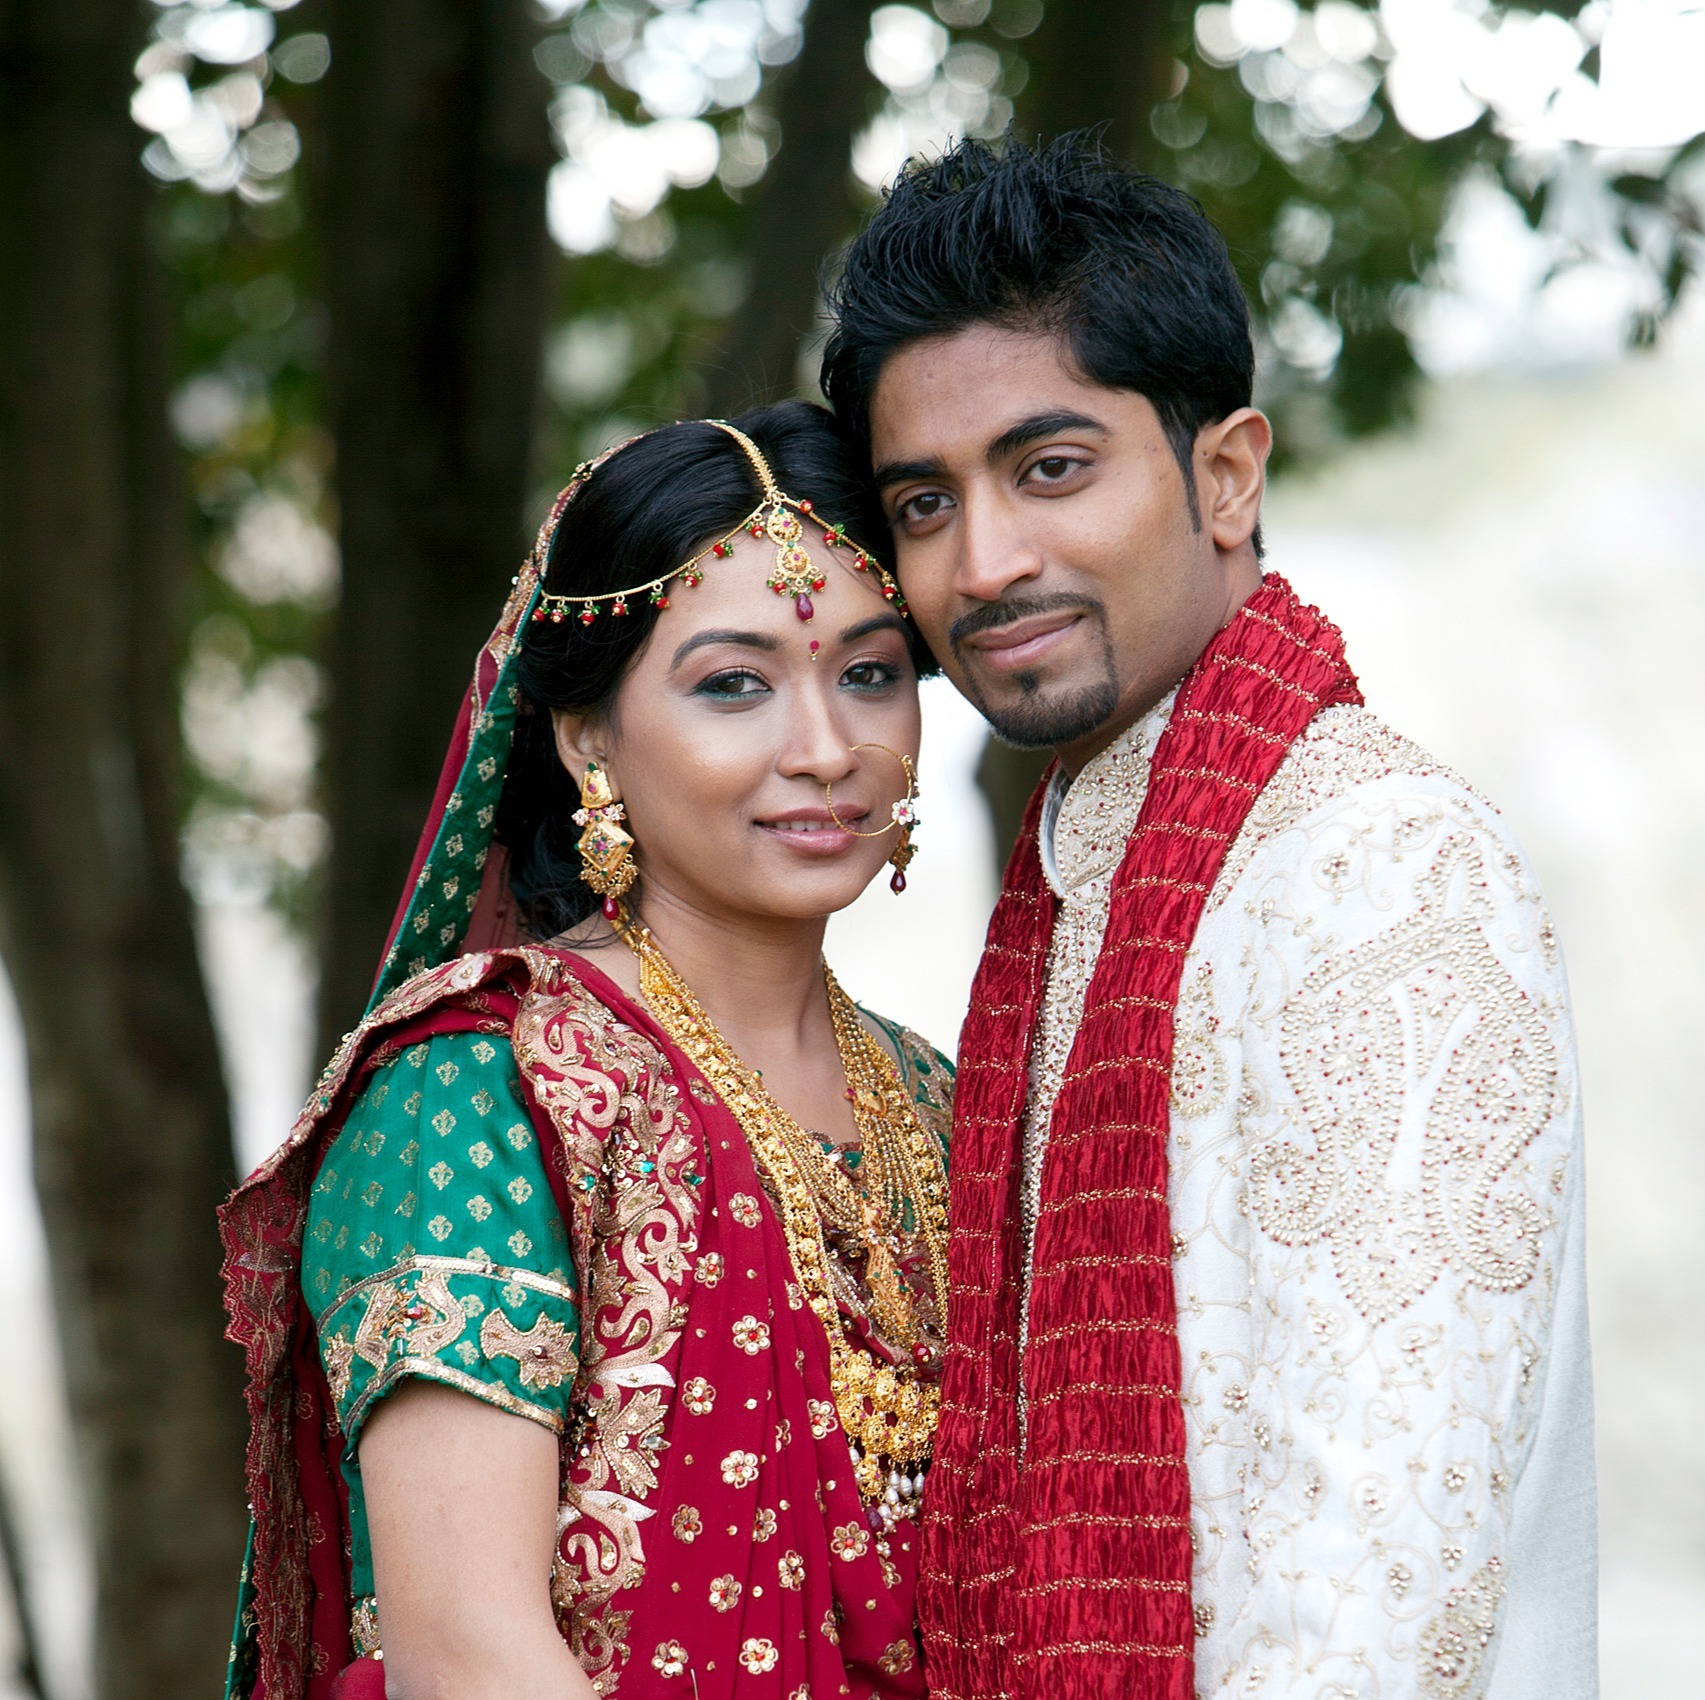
733,718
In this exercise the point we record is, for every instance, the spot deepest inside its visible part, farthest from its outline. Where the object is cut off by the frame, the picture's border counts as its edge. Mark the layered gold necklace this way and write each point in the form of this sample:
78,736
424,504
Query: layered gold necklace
888,1410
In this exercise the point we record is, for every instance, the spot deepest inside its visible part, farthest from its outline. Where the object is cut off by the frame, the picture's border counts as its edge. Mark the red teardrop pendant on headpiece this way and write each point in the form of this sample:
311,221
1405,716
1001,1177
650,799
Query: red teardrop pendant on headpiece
802,606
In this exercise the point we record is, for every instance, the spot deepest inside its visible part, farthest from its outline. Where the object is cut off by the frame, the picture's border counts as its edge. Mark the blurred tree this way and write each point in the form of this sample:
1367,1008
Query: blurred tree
800,210
430,191
132,1144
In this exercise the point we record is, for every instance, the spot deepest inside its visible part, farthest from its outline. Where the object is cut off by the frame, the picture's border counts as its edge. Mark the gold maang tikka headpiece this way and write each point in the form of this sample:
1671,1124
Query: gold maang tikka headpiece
779,517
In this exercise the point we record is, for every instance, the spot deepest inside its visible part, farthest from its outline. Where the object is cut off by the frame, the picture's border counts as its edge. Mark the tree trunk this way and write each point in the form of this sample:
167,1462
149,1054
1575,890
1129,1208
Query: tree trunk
431,196
803,209
1102,63
132,1139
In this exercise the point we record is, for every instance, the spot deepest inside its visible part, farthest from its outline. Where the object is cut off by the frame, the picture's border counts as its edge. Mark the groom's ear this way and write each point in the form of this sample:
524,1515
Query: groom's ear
1232,459
579,739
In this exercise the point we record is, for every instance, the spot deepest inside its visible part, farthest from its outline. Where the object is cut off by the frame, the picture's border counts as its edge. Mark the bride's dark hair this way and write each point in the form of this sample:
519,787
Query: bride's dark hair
645,510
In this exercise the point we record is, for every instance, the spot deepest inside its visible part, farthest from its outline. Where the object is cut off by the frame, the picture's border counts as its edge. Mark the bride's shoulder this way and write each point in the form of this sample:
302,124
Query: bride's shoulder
926,1072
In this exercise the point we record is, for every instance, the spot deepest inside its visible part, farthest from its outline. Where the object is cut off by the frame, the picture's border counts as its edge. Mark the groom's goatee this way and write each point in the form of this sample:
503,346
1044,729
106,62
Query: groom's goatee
1040,722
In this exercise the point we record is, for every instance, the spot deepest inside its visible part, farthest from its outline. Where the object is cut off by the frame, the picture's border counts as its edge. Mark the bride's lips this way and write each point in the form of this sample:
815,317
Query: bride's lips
813,832
1024,642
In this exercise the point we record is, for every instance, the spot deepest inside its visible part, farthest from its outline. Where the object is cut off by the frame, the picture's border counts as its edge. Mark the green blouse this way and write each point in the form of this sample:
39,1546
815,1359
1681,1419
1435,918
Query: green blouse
435,1249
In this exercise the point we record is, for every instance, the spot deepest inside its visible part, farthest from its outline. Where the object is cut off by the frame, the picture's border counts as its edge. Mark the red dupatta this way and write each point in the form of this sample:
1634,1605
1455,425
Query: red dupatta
712,1538
1065,1572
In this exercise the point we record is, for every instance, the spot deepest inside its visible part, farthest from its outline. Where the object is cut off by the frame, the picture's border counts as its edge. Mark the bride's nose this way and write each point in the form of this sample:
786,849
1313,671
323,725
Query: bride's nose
817,746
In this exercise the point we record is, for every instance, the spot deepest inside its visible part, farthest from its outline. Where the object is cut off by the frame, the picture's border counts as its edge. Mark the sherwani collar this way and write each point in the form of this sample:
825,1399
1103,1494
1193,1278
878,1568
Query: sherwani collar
1087,821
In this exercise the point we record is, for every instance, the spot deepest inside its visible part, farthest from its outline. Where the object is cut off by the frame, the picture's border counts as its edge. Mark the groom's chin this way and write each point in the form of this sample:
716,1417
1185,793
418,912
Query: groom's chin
1042,720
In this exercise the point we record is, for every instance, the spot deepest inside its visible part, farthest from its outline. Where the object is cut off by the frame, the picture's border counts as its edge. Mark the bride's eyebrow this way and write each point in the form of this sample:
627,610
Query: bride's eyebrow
876,623
745,640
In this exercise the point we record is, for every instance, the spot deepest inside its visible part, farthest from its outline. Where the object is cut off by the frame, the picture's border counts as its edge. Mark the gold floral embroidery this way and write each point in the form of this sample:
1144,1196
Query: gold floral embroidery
740,1469
339,1357
759,1655
687,1524
1199,1073
850,1541
897,1657
543,1353
670,1659
432,1317
724,1593
381,1324
1451,1650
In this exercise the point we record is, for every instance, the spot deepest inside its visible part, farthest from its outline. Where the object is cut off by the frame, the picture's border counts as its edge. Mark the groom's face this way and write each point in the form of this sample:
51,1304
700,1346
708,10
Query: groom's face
1046,539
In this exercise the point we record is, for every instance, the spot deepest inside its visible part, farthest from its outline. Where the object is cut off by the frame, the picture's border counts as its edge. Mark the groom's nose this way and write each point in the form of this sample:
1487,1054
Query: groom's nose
995,549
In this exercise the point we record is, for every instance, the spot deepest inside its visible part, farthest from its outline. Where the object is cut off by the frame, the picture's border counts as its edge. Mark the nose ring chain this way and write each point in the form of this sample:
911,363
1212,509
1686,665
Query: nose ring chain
903,814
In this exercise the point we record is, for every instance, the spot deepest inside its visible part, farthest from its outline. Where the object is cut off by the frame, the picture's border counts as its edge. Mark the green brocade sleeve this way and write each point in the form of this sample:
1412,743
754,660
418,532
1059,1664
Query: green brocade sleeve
434,1246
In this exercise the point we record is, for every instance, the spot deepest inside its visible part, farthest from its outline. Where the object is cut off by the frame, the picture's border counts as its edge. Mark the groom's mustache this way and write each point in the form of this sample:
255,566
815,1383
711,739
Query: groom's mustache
1011,609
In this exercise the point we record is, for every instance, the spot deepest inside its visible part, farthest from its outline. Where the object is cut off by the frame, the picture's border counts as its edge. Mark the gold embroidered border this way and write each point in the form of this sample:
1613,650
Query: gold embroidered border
1107,1520
456,1266
1131,1648
1092,1457
1138,1391
430,1369
1102,1195
1107,1584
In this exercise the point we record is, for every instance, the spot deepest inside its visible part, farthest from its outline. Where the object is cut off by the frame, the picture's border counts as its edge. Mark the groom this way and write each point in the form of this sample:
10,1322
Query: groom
1267,1368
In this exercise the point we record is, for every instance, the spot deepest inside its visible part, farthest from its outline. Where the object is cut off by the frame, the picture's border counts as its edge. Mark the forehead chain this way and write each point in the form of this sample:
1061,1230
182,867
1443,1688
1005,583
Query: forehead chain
778,516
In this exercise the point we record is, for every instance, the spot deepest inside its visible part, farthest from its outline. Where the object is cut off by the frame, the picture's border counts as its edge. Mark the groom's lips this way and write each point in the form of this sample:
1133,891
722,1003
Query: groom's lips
1006,649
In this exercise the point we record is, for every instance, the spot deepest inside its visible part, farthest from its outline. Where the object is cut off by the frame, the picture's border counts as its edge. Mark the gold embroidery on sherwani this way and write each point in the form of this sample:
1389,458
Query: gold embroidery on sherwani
1451,1649
1424,1011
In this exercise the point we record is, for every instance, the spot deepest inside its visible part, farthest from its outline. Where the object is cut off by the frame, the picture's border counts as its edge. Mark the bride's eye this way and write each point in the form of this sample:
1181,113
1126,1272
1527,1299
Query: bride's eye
870,676
731,684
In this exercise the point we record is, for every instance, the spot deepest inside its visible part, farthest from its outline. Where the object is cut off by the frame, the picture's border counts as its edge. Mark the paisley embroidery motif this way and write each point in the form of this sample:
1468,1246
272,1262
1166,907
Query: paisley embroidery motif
1423,1014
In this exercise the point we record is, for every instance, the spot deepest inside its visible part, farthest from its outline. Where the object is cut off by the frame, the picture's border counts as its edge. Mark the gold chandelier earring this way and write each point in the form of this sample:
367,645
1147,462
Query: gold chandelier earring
606,851
903,814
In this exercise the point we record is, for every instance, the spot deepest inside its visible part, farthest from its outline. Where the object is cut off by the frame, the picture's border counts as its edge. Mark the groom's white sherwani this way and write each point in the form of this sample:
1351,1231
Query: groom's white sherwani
1376,1195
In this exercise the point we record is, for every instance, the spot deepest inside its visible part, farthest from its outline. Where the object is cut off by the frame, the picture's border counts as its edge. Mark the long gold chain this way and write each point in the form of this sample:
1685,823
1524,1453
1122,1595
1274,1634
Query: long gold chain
887,1410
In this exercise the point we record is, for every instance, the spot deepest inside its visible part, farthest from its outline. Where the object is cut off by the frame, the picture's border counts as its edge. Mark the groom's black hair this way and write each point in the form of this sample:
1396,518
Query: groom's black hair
1124,269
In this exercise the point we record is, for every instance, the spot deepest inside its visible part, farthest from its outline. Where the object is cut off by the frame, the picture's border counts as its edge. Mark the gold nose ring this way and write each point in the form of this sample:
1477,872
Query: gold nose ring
903,814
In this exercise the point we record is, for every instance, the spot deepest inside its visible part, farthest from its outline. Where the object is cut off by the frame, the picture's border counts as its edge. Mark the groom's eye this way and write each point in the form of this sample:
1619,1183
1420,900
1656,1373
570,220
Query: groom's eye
1052,469
921,507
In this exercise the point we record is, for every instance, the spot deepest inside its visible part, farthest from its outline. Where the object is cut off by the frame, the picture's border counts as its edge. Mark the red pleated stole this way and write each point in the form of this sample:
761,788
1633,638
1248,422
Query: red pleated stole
1066,1573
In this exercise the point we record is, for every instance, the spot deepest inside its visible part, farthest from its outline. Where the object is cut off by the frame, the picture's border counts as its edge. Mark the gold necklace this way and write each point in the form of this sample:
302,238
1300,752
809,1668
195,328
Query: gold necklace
888,1412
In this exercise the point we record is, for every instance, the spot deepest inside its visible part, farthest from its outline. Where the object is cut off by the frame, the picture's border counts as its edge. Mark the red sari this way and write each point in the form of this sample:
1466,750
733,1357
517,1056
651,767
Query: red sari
711,1534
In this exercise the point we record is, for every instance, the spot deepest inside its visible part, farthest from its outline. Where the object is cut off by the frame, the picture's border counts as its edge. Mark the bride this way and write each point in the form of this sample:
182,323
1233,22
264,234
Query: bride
593,1310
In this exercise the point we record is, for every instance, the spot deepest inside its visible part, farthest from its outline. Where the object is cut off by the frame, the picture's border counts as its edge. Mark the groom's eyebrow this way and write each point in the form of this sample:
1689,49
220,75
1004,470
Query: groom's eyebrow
1033,429
1037,427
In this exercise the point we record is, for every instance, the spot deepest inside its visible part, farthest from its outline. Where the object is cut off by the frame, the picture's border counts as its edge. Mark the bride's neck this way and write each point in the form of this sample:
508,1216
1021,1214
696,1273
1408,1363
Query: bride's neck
759,978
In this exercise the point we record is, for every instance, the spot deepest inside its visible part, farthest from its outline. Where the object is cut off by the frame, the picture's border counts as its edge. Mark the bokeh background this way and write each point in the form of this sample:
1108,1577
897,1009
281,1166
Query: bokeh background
306,309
